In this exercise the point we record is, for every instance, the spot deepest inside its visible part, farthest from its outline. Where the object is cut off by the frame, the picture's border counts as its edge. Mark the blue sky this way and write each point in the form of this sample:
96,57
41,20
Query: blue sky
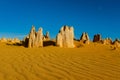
92,16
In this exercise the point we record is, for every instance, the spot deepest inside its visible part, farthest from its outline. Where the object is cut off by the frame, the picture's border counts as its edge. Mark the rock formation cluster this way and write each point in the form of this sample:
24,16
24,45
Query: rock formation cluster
14,40
65,37
35,39
3,40
107,41
84,38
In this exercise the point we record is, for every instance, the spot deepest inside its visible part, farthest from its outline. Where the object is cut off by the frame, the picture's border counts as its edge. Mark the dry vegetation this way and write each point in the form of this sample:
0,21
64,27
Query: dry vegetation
88,62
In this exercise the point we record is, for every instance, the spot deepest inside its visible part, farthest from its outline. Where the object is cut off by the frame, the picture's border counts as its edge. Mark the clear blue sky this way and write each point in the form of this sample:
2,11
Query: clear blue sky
92,16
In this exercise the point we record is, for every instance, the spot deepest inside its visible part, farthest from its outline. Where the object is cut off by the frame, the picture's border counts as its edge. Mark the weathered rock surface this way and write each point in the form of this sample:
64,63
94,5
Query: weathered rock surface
65,37
3,40
32,35
15,40
97,38
39,38
107,41
116,43
46,37
84,38
34,39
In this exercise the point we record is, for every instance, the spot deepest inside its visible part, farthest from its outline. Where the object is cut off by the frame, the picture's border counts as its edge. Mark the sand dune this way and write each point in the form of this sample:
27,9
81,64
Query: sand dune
89,62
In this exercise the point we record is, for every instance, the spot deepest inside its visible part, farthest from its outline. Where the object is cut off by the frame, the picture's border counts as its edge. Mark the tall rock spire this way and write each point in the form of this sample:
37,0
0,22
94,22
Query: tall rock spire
65,37
35,38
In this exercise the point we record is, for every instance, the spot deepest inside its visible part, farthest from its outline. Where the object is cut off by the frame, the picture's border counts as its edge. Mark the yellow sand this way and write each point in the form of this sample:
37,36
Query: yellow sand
89,62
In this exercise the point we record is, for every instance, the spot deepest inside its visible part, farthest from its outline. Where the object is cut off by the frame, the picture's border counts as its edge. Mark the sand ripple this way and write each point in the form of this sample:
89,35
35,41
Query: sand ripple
52,63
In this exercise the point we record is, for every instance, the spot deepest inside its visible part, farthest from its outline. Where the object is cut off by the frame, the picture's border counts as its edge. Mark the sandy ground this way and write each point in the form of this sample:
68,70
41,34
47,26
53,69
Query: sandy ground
90,62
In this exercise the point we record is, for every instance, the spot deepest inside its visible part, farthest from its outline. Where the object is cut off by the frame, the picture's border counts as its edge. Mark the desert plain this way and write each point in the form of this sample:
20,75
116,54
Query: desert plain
85,62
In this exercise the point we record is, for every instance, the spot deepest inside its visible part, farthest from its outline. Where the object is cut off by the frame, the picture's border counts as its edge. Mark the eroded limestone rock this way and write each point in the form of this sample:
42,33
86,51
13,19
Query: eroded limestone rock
35,39
97,38
84,38
65,37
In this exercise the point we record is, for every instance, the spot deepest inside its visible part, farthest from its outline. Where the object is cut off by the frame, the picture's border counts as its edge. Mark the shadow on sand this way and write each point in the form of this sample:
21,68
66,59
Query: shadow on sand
14,44
24,44
48,43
